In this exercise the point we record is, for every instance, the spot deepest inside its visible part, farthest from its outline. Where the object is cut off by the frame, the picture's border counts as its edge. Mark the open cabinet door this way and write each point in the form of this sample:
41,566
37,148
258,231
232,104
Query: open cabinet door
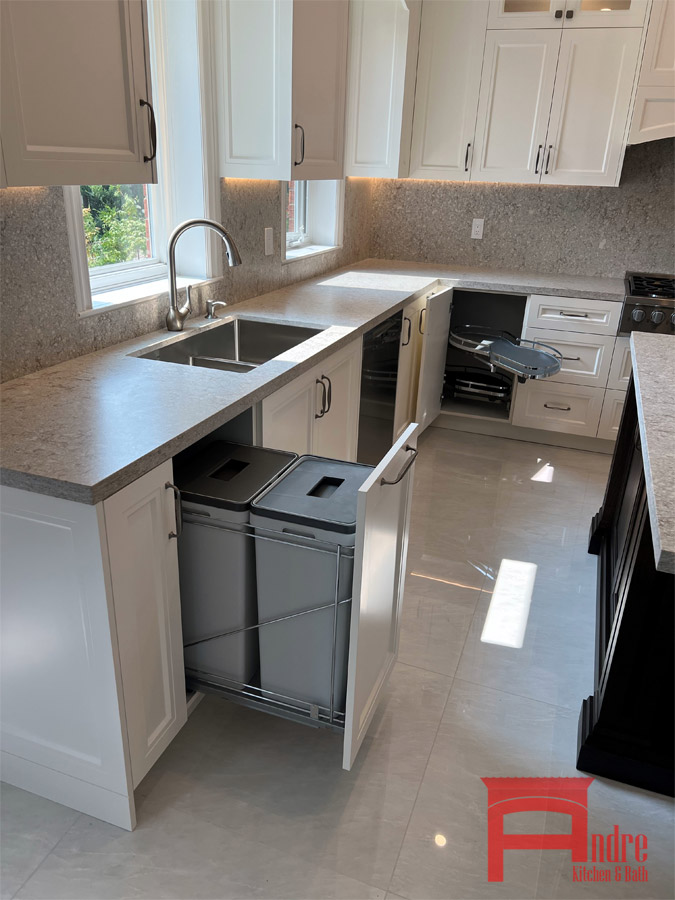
435,325
383,522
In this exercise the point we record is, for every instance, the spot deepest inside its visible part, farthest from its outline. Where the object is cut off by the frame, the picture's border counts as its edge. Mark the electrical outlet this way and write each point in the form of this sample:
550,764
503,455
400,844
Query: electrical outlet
269,241
477,229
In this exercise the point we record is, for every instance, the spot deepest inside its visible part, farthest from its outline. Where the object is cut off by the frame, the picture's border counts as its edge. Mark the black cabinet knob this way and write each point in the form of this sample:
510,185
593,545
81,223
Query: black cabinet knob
569,14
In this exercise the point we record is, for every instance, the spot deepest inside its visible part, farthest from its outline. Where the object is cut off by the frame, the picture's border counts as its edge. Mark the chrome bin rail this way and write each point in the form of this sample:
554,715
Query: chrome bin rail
252,695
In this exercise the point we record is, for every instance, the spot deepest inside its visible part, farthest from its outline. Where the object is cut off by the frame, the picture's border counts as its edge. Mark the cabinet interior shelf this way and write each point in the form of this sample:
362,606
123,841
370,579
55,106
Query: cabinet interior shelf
475,409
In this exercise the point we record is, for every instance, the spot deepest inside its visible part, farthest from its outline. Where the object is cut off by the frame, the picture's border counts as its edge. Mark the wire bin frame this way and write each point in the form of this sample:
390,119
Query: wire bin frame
251,695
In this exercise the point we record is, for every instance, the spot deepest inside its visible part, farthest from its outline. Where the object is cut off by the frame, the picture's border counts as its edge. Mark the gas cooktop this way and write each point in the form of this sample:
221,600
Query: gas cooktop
657,287
649,304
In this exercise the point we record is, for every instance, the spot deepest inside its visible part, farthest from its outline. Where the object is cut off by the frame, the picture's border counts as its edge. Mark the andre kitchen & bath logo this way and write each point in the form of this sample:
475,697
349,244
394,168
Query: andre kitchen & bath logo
614,857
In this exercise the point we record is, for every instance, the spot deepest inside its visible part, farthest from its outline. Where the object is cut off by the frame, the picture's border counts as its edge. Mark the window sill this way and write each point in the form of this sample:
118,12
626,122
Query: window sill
295,253
135,293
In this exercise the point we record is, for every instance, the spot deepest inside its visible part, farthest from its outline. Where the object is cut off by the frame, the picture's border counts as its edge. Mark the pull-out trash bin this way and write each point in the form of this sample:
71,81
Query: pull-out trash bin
217,559
314,501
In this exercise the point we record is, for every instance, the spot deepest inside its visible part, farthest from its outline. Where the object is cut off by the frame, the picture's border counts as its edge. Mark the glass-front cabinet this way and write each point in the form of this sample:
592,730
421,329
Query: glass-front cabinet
567,13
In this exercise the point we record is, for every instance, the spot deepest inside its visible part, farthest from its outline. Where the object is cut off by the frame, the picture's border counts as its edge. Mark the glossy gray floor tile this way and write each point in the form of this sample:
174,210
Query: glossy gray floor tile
246,805
30,827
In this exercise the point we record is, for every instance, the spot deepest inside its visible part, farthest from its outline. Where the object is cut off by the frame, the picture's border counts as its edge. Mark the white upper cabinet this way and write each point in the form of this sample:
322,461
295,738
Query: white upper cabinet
75,89
526,13
591,104
654,112
605,13
280,70
383,42
519,70
449,66
567,13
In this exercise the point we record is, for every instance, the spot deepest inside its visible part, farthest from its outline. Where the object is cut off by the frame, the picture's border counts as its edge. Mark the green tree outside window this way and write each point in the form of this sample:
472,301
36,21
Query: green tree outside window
115,225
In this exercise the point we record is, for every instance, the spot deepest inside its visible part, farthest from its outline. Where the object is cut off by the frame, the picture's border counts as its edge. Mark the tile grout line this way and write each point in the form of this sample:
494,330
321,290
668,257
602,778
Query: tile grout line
419,786
48,854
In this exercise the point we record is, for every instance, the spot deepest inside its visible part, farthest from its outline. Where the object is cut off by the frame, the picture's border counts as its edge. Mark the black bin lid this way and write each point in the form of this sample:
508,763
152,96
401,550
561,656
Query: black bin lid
317,492
230,475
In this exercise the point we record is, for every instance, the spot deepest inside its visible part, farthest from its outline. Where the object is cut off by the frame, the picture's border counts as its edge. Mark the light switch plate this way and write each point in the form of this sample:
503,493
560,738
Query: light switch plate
269,241
477,229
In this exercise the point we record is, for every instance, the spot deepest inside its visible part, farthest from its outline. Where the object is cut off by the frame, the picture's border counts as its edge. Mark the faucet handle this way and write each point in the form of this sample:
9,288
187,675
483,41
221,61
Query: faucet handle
188,299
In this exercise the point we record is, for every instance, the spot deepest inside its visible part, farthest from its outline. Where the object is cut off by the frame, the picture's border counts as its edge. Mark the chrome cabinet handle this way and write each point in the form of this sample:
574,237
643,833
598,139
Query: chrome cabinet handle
302,146
330,392
405,468
407,340
561,408
536,165
548,158
419,324
573,315
178,505
321,414
153,132
572,358
466,158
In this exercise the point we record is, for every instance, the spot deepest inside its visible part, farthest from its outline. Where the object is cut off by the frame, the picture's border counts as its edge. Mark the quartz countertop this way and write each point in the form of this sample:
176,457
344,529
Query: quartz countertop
653,357
86,428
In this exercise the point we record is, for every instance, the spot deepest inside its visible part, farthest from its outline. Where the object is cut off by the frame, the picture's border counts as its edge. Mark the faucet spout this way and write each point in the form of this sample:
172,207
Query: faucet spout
176,315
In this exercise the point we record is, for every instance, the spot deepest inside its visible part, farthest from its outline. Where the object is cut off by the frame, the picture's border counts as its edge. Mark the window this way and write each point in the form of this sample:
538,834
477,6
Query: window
312,213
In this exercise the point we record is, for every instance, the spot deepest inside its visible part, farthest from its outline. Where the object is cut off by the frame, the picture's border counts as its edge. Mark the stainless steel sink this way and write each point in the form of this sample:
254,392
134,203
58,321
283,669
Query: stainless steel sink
238,345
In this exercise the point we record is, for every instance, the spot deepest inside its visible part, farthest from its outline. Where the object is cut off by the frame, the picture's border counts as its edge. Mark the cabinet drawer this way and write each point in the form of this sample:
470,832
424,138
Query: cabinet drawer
586,357
571,409
610,417
621,367
572,314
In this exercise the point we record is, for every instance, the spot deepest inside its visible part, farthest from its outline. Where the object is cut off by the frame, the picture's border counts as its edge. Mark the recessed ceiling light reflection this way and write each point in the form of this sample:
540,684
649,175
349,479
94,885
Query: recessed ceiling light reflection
440,840
544,474
509,608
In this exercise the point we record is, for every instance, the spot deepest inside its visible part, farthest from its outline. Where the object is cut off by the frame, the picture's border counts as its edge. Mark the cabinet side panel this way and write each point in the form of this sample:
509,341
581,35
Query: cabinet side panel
60,704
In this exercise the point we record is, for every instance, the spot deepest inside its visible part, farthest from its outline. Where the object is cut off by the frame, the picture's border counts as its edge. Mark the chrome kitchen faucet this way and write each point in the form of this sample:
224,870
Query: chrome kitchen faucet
177,315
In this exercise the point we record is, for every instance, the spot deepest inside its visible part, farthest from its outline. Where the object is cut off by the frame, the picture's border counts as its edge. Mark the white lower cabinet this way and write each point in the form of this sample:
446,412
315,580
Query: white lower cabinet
435,328
318,412
409,354
140,522
586,358
92,677
571,409
610,418
621,367
572,314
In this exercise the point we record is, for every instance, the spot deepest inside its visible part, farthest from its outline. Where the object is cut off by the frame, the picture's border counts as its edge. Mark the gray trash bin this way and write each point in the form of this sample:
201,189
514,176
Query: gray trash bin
314,499
217,559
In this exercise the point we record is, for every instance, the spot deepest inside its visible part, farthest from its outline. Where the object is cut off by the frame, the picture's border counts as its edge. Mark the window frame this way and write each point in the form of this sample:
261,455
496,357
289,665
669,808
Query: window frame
324,220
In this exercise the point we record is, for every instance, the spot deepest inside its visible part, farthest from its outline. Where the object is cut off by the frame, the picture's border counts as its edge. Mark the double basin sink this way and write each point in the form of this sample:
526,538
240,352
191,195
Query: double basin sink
237,345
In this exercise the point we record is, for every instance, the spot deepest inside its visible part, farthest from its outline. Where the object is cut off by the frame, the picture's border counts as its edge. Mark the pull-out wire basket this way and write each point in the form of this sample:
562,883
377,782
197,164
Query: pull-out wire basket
501,350
253,695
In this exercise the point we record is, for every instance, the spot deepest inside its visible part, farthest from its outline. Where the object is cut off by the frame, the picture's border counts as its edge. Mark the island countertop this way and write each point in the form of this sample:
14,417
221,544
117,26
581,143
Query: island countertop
86,428
653,357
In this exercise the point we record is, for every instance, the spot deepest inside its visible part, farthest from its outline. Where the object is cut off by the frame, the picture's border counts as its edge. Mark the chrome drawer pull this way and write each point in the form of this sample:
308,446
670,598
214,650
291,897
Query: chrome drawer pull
178,501
572,358
574,315
405,468
561,408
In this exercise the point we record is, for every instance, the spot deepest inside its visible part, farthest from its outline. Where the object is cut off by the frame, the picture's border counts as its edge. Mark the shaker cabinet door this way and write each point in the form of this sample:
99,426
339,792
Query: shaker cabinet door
75,81
591,103
452,38
320,34
139,521
435,327
382,526
336,431
519,70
